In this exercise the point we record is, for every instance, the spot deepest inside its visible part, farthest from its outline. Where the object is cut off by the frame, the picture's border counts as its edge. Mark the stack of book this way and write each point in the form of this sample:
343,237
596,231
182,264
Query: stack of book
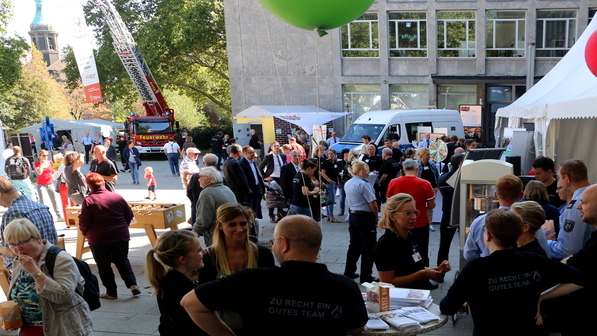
409,318
407,297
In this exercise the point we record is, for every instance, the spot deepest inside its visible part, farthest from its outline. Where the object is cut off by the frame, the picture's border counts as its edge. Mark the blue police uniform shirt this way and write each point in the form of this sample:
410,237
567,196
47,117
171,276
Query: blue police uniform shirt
574,233
359,194
475,244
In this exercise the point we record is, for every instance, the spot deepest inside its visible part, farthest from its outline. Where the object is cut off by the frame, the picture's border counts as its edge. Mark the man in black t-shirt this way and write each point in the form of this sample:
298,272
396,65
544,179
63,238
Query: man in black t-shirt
216,147
388,171
255,143
104,167
544,168
299,298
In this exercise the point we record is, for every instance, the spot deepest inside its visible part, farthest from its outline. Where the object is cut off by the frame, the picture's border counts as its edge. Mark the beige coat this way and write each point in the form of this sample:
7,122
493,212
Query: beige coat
64,312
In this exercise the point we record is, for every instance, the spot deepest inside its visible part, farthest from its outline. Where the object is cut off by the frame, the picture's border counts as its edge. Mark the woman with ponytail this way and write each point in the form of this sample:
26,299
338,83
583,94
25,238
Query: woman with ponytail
182,255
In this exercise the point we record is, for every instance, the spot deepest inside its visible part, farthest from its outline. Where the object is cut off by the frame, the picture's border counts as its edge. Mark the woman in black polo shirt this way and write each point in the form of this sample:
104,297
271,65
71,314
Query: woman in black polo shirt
396,254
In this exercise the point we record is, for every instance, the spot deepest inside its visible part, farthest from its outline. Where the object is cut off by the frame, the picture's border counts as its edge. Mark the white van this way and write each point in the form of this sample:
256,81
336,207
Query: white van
398,124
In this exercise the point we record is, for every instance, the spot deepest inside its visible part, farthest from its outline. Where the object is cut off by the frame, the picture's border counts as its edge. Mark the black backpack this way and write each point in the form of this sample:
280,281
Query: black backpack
15,168
91,293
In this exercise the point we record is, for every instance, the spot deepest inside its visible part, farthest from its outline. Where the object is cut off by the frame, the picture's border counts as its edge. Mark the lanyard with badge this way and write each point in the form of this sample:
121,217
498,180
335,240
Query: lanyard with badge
416,255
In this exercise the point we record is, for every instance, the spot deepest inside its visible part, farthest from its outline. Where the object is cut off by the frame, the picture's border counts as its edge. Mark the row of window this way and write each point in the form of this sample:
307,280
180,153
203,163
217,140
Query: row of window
505,34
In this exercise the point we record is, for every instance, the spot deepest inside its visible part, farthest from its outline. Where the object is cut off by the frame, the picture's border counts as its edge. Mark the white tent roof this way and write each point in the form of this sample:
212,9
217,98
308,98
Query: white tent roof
303,116
568,91
77,128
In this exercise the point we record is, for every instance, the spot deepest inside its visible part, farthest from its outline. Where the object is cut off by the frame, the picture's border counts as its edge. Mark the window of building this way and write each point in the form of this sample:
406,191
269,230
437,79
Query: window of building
408,97
505,34
556,32
592,12
408,34
51,45
360,38
361,98
451,96
456,34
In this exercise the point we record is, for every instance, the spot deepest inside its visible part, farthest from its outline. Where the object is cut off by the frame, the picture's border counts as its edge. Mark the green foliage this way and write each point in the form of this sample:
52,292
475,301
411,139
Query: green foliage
183,43
202,135
11,51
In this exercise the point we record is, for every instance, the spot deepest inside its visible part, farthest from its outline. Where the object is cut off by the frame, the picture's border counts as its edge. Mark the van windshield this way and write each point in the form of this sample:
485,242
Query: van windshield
356,131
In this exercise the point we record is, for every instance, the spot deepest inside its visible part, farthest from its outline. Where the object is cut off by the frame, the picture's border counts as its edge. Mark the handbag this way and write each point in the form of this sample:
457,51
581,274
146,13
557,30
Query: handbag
77,197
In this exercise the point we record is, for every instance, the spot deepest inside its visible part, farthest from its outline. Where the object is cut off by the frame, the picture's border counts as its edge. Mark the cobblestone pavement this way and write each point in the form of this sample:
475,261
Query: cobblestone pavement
139,315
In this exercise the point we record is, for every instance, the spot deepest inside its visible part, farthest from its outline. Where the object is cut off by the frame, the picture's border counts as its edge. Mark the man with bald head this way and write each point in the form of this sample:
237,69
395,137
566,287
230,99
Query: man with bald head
578,310
299,298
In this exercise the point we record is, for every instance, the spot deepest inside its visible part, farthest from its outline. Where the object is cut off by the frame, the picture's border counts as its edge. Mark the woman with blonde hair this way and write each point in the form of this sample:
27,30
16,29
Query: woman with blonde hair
533,217
396,255
181,252
43,168
49,300
537,191
232,251
77,189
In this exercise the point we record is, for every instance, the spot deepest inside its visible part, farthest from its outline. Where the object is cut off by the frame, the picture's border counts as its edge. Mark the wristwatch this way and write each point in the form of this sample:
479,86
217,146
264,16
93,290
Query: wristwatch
37,275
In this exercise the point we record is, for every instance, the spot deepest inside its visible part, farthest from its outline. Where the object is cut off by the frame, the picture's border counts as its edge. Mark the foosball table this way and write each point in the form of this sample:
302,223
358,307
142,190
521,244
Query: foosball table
148,216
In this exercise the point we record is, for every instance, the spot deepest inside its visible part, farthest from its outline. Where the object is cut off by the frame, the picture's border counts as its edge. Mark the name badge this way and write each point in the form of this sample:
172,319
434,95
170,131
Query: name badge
336,166
425,168
367,161
417,256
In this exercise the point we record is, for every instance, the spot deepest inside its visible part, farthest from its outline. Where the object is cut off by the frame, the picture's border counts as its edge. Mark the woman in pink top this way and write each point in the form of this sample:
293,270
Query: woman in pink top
43,168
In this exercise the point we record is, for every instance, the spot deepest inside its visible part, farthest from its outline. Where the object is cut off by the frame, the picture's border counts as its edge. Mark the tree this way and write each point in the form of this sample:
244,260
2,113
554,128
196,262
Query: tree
11,50
182,42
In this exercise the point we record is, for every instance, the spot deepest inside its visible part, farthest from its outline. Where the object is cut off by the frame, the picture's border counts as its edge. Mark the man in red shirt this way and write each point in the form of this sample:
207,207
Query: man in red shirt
424,196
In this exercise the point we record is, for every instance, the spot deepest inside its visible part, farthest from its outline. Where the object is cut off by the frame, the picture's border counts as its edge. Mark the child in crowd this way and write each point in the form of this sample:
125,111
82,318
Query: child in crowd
151,183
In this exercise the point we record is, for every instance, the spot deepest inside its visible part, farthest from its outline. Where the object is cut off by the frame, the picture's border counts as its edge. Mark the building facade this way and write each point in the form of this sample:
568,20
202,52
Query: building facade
43,36
404,54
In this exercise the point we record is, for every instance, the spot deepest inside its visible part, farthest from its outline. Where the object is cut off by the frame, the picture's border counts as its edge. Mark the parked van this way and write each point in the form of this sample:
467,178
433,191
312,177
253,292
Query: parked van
398,124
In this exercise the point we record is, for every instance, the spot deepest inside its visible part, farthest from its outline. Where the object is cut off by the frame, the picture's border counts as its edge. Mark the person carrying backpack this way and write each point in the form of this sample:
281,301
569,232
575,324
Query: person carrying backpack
18,170
49,298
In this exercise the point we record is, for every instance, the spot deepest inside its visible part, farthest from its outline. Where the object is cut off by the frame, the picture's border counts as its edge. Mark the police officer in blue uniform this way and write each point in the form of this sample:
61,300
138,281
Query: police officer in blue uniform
574,233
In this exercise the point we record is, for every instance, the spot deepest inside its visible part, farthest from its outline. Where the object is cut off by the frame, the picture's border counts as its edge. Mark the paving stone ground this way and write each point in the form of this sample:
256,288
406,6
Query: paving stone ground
139,315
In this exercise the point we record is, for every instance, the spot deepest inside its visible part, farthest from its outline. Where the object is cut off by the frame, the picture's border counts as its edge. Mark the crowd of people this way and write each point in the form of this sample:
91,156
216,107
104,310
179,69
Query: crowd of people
537,246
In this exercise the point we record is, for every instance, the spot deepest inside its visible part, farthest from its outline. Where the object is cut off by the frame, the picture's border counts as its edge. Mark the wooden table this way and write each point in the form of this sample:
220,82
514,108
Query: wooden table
148,216
425,328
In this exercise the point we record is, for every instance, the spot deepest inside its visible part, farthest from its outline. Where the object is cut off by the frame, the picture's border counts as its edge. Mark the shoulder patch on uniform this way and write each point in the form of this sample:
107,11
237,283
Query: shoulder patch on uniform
571,204
569,225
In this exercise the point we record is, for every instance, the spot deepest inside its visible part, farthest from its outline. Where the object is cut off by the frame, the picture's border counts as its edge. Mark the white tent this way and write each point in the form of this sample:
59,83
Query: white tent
303,116
77,129
564,107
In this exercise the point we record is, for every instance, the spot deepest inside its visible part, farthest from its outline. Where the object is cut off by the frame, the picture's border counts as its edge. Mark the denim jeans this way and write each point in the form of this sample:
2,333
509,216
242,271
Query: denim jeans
134,170
173,161
331,196
342,198
296,210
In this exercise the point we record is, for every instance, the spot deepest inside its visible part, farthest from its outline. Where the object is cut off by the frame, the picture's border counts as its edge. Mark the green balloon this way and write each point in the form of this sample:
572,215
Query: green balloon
317,15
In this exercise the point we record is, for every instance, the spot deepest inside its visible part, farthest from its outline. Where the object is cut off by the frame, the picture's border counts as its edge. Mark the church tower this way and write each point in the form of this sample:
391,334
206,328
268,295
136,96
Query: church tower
43,36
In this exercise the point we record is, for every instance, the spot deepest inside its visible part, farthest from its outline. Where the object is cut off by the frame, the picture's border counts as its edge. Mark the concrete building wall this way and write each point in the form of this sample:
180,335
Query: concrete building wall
274,63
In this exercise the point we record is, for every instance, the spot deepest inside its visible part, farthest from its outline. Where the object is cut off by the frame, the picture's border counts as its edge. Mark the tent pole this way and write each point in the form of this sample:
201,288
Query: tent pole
530,66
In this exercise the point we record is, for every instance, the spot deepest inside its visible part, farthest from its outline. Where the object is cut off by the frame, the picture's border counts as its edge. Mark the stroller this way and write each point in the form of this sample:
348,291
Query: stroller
274,199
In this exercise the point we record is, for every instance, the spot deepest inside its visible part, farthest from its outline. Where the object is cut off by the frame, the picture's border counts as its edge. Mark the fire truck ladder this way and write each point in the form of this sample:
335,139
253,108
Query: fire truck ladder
129,54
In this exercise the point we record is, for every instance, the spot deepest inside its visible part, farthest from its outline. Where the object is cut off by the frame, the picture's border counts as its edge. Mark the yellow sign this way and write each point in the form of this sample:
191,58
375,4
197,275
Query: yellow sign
151,137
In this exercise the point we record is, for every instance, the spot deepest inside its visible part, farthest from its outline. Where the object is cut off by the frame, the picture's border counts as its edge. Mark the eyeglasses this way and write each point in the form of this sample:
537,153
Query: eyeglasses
20,243
559,188
234,224
202,175
43,156
409,213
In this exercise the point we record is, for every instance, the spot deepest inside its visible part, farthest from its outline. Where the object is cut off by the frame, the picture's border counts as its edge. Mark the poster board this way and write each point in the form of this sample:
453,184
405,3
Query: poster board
471,115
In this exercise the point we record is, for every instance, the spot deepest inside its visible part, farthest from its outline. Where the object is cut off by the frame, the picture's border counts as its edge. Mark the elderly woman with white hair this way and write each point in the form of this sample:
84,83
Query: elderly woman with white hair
48,299
214,194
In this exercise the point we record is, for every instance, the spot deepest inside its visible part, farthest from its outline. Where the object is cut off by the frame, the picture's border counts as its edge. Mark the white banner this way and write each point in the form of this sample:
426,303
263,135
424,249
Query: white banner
83,49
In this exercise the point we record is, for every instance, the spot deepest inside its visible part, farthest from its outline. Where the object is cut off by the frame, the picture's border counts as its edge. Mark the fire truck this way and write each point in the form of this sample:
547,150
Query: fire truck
150,132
